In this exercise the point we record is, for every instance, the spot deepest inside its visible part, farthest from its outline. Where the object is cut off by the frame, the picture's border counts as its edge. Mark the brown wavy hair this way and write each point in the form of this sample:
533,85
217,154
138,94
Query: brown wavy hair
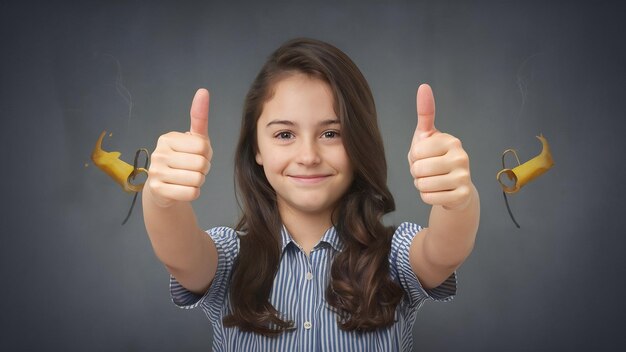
360,289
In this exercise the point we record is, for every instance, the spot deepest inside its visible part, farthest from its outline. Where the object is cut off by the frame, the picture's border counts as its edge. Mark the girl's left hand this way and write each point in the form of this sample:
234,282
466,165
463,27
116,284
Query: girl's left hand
437,161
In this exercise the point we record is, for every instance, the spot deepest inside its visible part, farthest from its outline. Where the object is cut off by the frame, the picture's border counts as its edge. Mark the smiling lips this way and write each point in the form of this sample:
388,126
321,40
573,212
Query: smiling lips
309,179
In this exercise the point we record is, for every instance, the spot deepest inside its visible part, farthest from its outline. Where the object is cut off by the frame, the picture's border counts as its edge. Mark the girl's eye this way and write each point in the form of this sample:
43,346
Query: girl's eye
331,134
284,135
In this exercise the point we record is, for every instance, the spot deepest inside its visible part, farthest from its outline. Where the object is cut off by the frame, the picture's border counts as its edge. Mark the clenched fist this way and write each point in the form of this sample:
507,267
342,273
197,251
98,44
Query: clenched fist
181,161
437,161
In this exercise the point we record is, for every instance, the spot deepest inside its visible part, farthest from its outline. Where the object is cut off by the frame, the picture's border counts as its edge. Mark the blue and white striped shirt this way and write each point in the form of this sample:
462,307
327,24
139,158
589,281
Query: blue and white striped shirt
298,293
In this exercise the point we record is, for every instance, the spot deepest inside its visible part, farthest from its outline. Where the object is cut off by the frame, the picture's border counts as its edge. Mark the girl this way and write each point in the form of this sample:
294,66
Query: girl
310,266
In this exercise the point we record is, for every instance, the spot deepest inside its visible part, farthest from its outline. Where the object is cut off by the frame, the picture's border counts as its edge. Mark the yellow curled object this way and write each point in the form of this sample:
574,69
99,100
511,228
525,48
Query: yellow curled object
112,165
528,171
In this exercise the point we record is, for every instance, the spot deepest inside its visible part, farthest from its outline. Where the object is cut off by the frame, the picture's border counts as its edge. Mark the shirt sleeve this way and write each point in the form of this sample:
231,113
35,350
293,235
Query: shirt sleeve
402,271
227,244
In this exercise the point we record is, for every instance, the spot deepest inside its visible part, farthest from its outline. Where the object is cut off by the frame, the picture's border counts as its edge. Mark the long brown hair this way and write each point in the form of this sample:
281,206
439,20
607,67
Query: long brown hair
360,287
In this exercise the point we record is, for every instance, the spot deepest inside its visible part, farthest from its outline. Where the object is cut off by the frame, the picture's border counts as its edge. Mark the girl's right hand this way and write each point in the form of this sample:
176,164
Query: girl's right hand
181,161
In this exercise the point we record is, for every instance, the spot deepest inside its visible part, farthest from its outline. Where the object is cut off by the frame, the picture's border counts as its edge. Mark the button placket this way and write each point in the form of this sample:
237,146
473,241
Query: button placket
310,290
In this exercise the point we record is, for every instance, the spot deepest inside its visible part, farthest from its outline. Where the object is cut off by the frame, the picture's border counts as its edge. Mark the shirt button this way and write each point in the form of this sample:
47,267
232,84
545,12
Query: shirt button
307,325
309,276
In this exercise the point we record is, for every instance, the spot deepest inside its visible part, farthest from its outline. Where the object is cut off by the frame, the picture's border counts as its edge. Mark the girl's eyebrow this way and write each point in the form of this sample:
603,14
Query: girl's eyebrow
280,122
330,122
291,123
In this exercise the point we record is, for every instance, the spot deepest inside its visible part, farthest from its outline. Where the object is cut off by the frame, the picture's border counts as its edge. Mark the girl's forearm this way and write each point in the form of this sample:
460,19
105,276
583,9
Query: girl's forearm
176,238
451,233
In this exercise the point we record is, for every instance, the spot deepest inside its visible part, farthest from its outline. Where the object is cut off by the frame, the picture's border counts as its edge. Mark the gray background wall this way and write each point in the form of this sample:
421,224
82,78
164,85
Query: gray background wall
502,72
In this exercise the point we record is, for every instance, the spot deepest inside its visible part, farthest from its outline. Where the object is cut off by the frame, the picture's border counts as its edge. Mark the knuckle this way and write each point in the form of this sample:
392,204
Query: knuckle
198,163
461,159
155,172
464,192
199,179
165,138
419,184
414,169
202,180
466,175
155,187
157,158
165,141
463,176
455,143
150,183
194,194
413,153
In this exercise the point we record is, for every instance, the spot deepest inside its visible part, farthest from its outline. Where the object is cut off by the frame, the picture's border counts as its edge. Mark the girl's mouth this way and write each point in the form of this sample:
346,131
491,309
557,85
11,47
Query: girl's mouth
309,179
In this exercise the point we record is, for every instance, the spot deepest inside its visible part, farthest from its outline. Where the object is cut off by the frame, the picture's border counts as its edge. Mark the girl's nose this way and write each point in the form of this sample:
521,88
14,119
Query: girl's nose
308,154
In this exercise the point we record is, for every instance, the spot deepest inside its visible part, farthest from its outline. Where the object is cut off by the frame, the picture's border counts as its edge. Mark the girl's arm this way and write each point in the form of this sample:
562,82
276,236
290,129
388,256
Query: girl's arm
440,168
187,252
437,251
177,171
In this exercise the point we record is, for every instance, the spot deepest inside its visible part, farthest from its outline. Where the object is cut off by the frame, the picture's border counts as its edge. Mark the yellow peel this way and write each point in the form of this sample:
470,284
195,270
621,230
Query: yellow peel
117,169
528,171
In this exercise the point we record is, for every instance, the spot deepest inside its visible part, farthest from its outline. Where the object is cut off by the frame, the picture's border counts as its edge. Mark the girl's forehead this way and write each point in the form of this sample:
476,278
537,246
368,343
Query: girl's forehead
299,98
298,80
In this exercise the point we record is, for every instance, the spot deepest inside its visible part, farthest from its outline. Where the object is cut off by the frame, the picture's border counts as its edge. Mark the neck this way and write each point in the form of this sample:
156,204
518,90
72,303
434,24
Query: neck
307,229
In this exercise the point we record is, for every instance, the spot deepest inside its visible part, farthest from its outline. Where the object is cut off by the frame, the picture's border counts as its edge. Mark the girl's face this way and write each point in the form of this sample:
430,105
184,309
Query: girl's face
300,146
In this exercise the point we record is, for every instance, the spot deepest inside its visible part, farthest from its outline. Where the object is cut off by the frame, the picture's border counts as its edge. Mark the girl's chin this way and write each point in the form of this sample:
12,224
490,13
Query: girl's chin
313,208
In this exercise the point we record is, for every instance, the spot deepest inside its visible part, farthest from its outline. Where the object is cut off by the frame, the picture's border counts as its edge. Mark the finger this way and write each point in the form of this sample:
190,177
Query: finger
183,178
425,113
200,113
176,192
185,143
190,162
439,183
437,145
448,199
429,167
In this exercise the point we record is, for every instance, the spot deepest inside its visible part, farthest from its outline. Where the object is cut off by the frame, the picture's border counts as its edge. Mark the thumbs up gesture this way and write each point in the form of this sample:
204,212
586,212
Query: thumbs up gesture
181,161
437,161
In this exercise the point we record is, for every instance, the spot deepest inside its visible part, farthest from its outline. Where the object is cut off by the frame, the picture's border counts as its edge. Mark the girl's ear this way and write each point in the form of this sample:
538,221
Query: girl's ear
258,158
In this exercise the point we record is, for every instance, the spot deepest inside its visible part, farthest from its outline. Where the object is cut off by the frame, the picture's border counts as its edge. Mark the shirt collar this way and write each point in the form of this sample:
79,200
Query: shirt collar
330,236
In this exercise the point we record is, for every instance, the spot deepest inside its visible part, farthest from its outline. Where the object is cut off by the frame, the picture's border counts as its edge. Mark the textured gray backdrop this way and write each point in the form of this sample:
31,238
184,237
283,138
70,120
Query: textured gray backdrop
502,72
